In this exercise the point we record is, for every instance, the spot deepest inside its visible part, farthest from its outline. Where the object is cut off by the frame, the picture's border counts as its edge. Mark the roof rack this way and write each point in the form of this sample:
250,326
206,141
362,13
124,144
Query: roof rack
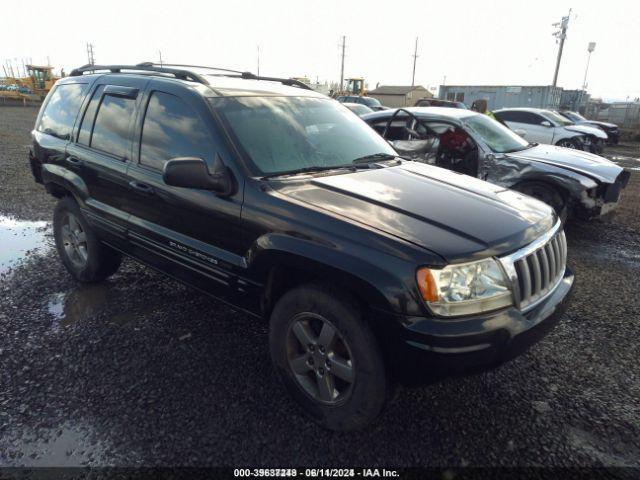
141,67
184,74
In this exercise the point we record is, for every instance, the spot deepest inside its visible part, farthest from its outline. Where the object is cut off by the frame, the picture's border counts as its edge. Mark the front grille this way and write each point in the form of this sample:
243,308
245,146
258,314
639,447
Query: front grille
536,270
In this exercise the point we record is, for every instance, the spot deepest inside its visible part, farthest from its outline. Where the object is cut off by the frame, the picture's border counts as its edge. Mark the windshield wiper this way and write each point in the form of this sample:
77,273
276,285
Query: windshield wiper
374,157
312,169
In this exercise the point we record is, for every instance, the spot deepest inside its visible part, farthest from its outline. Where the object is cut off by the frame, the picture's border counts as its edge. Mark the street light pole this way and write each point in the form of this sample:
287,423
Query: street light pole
590,49
342,66
560,35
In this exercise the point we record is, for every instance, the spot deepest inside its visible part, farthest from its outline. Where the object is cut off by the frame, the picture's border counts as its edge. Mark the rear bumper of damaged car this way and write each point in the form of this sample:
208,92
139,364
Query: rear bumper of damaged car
433,348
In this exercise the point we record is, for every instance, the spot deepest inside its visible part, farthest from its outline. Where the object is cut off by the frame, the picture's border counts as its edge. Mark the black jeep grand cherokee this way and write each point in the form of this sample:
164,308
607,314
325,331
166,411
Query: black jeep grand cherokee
285,204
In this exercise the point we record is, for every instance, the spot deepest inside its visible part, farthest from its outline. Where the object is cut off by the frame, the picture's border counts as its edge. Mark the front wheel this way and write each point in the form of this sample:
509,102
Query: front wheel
546,194
569,143
328,358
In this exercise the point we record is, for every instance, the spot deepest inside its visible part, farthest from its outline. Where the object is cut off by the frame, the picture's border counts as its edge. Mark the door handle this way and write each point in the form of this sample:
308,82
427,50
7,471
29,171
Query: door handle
141,187
74,161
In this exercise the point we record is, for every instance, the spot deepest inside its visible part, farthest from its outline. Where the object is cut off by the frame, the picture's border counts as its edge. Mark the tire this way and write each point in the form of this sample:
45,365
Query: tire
547,194
569,143
305,312
82,254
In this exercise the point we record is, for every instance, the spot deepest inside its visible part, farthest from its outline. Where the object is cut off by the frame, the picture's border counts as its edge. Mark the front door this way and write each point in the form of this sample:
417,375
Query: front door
190,233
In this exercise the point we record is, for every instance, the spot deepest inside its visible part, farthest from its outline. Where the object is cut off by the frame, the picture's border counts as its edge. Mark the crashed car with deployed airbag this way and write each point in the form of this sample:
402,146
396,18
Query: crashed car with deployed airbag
575,183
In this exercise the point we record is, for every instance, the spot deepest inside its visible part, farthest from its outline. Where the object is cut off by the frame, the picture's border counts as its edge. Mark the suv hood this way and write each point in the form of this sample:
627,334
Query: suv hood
456,216
595,131
593,166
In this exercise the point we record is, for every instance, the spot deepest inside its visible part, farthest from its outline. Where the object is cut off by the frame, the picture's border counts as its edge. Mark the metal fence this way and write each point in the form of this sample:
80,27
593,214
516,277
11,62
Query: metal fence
625,114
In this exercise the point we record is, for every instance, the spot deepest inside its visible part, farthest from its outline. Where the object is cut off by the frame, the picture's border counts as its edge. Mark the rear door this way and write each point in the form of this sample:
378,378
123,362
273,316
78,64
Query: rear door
102,151
191,233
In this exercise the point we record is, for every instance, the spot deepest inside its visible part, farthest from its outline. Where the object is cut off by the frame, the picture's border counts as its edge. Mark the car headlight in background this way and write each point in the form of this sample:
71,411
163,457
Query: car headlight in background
465,289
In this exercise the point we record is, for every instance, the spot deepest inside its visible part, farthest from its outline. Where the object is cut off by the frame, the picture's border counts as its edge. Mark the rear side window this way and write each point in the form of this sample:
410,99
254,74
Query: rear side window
172,129
61,110
111,129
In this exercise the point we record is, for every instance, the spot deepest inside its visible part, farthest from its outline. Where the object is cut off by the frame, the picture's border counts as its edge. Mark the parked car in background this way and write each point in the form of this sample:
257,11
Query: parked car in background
358,108
574,183
365,266
544,126
611,129
436,102
373,103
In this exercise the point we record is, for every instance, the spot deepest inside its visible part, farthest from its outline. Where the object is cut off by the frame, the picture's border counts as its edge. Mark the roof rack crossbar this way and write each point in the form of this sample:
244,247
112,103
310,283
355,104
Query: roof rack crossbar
142,67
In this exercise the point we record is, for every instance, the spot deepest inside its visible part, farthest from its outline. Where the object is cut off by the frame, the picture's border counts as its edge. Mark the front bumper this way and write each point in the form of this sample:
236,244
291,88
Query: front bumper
441,347
608,198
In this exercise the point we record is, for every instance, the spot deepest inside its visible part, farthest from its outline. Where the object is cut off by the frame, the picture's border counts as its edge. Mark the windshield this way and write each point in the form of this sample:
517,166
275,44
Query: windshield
371,102
576,117
557,118
285,134
497,137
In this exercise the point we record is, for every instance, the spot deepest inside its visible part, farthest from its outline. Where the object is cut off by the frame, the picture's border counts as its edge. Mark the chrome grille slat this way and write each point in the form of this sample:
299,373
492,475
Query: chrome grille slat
537,269
551,255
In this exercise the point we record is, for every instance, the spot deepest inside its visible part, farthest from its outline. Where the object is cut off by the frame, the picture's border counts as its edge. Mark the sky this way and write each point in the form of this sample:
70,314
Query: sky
503,42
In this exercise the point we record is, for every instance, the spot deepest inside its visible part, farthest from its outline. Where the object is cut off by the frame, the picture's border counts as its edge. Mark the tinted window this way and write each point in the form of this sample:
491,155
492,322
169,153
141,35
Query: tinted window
111,130
520,117
84,137
172,129
61,110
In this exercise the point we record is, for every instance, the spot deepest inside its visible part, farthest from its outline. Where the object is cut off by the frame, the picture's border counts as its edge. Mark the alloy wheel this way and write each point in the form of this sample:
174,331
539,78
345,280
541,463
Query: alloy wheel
320,358
74,240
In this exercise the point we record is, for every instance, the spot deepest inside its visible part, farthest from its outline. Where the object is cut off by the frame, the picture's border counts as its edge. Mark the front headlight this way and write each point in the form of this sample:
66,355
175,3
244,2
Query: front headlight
465,289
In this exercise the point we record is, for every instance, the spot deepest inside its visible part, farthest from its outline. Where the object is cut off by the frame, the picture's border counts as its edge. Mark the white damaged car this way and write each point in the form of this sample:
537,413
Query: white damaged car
544,126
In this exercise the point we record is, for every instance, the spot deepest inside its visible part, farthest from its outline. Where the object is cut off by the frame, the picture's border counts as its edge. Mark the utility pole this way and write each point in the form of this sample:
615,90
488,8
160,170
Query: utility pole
415,56
342,66
90,56
560,35
258,60
590,48
160,53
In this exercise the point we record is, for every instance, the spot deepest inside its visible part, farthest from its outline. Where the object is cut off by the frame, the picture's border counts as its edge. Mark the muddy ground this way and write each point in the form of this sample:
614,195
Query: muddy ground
141,370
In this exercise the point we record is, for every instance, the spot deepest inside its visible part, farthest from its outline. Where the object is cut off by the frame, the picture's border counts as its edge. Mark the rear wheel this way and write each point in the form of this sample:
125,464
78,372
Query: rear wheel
83,255
328,358
547,194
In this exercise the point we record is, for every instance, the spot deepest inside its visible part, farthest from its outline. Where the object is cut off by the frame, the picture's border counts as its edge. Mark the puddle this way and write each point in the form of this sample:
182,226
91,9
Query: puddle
66,446
86,301
19,238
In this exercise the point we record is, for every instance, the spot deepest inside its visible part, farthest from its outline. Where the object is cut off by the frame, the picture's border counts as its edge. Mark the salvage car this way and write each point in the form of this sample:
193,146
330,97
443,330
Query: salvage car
436,102
277,200
544,126
576,184
611,129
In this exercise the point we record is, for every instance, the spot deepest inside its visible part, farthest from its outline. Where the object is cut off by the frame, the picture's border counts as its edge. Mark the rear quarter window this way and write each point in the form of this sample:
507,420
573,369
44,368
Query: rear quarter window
61,109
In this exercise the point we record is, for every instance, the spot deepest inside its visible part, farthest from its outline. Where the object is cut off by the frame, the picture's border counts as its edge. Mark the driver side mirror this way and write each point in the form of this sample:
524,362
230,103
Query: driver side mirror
546,123
192,172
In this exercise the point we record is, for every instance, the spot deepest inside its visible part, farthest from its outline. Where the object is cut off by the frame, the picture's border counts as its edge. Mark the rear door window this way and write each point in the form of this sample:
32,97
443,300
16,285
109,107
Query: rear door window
111,132
61,110
172,129
84,136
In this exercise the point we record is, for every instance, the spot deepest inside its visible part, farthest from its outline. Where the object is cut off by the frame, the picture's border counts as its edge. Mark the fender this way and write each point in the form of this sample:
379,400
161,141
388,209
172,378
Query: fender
508,171
67,179
377,278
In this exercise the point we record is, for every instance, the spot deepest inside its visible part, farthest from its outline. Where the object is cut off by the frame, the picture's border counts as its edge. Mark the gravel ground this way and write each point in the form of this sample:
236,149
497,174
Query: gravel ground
143,371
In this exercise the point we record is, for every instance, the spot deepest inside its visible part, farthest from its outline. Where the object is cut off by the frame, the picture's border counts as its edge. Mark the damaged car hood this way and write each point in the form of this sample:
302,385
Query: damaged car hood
585,163
595,131
456,216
